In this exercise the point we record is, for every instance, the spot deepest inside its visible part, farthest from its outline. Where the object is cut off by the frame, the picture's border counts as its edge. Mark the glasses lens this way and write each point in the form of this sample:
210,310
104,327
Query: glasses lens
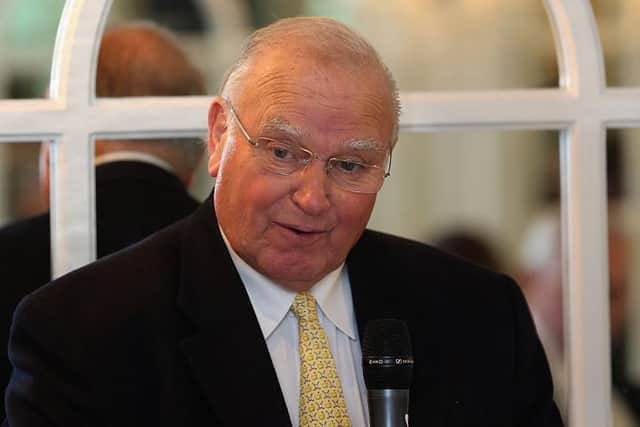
355,176
284,158
281,157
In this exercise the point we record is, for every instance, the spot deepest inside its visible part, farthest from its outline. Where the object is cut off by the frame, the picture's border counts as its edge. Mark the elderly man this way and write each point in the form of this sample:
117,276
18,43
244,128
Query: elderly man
230,316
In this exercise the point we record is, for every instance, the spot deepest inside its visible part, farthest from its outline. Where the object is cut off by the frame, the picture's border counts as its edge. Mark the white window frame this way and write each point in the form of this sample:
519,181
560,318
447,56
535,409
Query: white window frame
581,108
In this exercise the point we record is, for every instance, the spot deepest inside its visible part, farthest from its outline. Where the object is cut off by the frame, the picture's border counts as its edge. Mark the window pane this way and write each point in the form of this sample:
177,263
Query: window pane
429,45
20,192
623,161
27,36
180,158
618,25
447,45
492,179
209,46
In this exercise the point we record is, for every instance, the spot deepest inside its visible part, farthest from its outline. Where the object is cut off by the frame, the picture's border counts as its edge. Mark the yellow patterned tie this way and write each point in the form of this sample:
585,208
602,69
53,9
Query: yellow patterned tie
321,400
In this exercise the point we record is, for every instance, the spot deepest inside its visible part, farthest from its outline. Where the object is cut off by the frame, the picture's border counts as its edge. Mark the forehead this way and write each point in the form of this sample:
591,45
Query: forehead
300,94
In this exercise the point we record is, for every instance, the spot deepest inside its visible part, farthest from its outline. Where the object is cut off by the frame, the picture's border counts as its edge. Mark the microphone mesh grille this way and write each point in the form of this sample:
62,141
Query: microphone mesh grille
386,337
387,360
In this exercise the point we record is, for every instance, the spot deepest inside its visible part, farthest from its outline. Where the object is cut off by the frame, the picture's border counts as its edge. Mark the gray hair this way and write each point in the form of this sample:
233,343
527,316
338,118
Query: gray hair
329,40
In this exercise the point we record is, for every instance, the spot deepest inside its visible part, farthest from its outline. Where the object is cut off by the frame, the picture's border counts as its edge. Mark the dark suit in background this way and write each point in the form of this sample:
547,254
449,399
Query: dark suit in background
163,334
133,199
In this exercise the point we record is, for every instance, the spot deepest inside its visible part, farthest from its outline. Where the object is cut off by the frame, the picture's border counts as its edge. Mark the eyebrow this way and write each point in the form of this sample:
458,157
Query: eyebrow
279,124
364,144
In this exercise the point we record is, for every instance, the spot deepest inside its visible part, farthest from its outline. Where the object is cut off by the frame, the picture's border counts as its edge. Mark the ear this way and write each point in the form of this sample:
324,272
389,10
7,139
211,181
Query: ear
44,160
216,134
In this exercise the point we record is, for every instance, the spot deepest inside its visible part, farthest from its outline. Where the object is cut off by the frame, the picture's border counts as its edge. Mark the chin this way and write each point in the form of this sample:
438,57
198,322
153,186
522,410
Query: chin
297,275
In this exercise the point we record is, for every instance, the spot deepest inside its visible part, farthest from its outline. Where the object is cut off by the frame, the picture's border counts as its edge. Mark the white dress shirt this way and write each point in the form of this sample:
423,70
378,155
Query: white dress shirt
271,303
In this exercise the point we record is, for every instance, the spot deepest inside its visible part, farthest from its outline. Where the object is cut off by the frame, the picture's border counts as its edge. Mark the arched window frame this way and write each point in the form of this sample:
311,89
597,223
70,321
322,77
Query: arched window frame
581,109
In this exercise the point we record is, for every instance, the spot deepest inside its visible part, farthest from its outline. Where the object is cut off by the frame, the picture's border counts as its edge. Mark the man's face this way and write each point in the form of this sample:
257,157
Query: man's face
297,228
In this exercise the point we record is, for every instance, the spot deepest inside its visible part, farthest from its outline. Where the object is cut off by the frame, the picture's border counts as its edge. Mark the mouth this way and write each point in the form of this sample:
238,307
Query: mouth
300,230
300,234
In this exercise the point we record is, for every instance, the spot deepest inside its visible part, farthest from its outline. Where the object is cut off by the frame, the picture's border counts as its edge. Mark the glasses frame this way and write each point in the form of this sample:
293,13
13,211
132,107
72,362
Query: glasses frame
312,155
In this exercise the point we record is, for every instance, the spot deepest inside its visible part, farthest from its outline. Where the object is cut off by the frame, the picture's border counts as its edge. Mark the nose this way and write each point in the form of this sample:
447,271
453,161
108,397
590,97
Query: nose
311,191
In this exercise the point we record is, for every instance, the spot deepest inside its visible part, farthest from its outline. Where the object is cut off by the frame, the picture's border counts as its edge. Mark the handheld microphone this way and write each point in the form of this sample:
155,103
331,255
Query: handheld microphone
387,363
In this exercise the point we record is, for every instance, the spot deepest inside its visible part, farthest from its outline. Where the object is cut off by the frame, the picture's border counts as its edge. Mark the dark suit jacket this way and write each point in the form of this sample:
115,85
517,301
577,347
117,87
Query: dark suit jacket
163,334
133,200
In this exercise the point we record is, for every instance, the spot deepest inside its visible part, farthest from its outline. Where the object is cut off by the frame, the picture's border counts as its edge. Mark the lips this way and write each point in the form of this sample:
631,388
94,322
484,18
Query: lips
299,234
299,229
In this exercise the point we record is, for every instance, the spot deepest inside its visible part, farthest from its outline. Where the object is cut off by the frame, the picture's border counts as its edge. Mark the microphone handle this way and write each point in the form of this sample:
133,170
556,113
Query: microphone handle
388,407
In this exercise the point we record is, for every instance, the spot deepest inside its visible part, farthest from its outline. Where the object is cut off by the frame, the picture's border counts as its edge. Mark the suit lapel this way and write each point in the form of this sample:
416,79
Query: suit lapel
367,279
227,353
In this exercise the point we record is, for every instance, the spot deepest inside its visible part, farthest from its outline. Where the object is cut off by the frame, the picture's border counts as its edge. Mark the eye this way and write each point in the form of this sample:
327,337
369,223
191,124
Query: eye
349,166
280,151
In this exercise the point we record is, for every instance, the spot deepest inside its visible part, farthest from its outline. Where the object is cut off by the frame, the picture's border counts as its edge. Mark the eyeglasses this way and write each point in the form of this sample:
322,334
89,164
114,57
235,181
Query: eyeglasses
285,158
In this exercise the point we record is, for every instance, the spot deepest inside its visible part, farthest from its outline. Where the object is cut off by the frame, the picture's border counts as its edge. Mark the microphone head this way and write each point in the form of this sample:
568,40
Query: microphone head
387,359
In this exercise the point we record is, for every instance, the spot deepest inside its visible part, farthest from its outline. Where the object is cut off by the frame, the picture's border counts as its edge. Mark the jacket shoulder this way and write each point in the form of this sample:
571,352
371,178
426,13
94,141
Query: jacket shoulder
403,278
405,258
112,287
25,232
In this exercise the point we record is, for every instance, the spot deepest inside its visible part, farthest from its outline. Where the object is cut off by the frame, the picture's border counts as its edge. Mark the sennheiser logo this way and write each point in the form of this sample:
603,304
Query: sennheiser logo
388,361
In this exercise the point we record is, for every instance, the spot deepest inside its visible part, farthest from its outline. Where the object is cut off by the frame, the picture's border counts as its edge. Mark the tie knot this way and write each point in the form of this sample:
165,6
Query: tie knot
304,306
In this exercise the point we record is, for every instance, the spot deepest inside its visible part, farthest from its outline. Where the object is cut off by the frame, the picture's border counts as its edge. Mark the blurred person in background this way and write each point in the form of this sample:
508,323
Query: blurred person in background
540,274
470,245
141,185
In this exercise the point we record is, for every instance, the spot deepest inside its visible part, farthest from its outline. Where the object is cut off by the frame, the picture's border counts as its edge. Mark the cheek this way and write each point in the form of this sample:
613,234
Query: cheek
261,198
354,214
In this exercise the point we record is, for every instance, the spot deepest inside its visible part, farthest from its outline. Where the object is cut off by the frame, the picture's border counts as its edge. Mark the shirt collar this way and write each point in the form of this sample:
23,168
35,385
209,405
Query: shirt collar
271,302
118,156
